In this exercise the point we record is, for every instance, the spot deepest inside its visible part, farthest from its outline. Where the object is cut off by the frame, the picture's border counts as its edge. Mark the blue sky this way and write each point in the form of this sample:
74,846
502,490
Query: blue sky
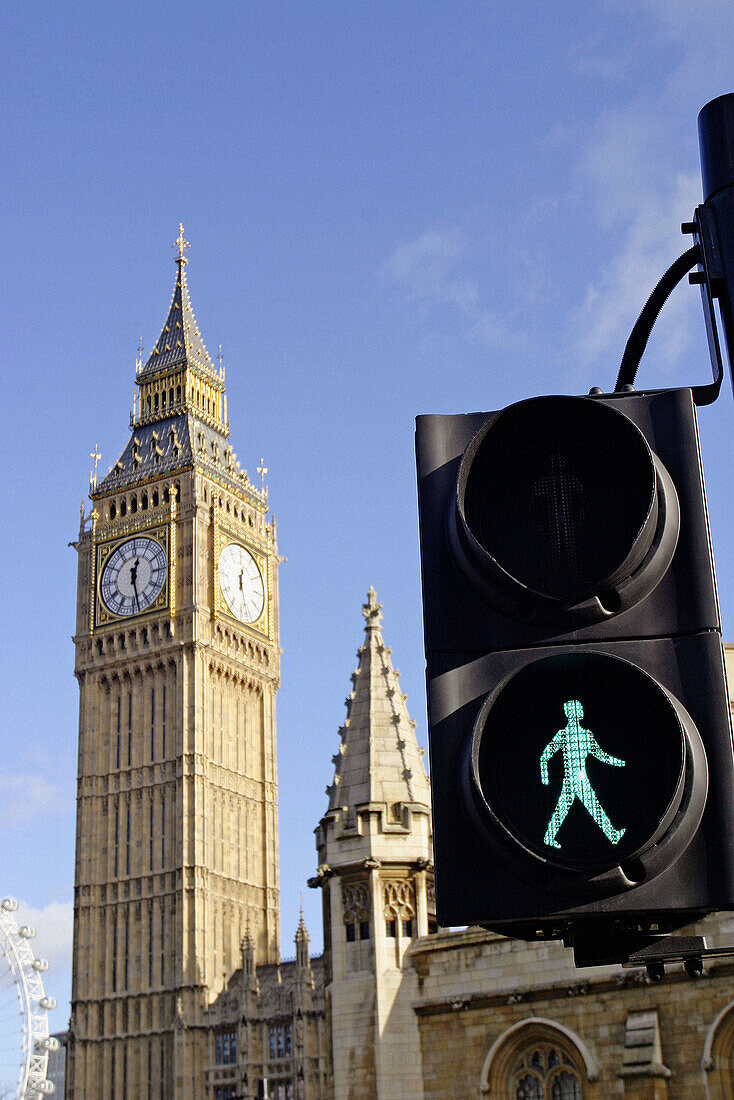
393,208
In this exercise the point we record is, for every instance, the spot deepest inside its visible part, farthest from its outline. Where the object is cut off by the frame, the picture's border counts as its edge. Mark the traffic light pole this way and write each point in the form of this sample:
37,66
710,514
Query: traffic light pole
713,224
579,723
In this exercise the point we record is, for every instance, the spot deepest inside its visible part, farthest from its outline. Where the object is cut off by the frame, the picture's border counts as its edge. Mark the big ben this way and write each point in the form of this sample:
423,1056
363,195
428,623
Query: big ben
177,660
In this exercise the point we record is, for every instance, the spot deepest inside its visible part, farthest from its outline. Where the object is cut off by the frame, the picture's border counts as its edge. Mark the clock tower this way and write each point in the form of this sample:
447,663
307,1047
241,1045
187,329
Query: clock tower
177,660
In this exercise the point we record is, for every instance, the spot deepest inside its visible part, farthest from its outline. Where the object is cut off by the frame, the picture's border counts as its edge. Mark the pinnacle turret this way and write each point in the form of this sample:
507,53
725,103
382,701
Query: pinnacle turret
302,940
379,760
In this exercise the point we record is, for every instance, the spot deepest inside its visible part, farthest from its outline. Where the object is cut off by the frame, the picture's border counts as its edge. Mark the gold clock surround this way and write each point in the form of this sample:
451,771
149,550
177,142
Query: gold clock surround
104,551
262,555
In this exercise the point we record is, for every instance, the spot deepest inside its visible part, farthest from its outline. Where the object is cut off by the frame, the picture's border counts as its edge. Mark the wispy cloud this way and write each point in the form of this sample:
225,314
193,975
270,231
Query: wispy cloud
431,268
630,166
54,926
649,239
24,796
427,268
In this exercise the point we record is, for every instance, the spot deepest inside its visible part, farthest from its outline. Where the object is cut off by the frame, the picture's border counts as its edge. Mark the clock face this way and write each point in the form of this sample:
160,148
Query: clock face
241,583
133,576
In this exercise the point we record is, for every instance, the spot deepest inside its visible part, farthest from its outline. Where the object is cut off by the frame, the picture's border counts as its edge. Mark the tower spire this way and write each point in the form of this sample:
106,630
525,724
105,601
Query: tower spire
302,940
179,413
379,760
180,343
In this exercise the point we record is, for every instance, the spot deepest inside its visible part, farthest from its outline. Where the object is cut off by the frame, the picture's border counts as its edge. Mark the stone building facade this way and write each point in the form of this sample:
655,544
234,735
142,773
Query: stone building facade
268,1029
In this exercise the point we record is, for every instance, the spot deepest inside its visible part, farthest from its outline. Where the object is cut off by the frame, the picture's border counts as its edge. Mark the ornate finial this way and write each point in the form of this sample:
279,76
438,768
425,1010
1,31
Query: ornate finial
372,610
181,244
220,359
262,470
139,360
302,936
95,456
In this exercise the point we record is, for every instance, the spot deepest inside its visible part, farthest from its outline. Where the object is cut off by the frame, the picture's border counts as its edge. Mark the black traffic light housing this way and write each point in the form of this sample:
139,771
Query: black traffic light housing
580,737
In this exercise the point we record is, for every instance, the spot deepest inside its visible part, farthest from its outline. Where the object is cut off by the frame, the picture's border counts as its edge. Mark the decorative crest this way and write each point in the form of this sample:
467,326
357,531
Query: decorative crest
372,610
262,470
301,931
181,244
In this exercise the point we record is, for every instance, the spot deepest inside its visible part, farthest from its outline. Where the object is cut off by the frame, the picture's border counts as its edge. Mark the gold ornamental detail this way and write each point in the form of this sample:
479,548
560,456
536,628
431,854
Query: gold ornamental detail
172,559
104,617
271,587
262,557
216,593
93,571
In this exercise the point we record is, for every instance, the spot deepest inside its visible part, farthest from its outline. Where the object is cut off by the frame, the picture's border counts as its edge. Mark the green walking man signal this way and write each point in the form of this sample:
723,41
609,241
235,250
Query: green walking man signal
576,744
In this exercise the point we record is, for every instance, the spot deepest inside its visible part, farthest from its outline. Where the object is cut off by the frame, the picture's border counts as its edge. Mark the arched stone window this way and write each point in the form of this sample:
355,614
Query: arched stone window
538,1059
718,1056
398,901
355,900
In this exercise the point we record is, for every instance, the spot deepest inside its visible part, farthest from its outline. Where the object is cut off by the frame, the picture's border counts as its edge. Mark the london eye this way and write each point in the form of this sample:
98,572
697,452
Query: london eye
24,1033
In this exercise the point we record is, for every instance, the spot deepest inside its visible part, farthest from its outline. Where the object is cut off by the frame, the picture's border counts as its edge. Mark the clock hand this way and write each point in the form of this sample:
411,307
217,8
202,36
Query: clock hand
133,581
241,572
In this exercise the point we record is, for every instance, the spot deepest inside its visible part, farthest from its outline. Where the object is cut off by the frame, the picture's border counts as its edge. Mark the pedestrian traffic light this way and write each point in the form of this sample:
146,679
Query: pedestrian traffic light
580,737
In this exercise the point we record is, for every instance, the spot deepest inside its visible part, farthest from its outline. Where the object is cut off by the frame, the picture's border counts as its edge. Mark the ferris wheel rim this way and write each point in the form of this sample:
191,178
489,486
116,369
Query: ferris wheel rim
34,1004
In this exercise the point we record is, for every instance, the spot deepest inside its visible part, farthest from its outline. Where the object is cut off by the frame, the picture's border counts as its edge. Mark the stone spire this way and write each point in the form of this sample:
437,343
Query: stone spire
302,941
375,870
249,966
379,760
180,342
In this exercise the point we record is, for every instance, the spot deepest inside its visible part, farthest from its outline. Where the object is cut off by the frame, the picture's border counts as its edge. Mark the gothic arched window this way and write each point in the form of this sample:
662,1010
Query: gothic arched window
718,1056
538,1059
543,1071
355,898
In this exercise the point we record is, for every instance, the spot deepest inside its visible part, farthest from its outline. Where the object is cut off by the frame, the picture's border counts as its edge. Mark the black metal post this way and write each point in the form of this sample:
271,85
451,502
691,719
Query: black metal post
716,143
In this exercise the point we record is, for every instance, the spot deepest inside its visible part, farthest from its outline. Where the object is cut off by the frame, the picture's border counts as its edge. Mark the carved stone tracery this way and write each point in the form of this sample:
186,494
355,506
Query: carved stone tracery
398,899
355,902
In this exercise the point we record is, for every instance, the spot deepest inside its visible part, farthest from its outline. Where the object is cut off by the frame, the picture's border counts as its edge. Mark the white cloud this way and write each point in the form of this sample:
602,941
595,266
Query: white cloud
649,241
431,267
54,926
631,166
427,267
25,796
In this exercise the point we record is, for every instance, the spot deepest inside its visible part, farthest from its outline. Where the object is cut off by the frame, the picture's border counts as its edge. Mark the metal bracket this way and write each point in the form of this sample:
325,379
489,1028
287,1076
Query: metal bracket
709,277
689,950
